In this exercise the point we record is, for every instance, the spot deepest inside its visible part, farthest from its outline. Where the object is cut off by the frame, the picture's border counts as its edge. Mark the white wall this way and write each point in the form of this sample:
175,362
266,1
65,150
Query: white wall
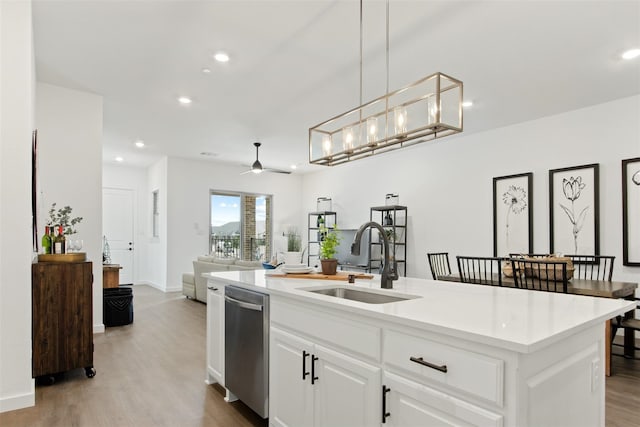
447,184
155,267
189,184
135,180
69,126
16,125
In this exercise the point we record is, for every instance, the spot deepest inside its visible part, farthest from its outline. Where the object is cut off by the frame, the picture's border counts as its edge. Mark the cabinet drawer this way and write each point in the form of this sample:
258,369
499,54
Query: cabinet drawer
411,404
473,373
357,337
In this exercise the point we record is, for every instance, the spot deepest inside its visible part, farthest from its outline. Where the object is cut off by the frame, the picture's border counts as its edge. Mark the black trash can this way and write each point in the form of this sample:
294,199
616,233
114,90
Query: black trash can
117,306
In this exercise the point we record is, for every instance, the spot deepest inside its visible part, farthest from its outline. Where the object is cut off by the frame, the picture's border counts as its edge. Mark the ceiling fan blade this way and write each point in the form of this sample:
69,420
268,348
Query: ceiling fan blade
277,171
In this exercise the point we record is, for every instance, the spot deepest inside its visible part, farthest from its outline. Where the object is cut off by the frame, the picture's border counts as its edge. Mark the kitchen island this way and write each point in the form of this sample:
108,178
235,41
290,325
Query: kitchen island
448,354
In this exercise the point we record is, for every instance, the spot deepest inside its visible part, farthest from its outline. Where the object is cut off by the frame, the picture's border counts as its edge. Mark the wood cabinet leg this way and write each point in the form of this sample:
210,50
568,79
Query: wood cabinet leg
607,351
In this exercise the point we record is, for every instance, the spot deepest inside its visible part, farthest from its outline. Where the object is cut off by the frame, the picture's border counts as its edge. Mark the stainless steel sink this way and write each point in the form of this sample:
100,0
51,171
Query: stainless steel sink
360,295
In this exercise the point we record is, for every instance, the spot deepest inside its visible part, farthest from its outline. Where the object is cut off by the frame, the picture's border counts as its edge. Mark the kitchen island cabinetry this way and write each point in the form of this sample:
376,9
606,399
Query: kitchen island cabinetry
215,334
449,354
311,385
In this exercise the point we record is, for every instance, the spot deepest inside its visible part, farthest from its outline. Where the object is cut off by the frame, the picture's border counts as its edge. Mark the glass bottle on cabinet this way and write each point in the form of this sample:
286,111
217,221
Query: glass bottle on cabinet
393,219
317,220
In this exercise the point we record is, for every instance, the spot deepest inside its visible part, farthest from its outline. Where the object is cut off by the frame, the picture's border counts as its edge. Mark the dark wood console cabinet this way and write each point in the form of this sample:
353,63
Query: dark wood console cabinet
62,317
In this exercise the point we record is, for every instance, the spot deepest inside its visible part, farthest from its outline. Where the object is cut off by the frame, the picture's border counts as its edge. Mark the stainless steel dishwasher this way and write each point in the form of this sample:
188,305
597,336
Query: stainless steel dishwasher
246,338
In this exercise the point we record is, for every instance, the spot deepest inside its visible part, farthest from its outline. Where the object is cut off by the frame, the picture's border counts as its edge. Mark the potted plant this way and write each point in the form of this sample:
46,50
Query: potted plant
294,246
328,249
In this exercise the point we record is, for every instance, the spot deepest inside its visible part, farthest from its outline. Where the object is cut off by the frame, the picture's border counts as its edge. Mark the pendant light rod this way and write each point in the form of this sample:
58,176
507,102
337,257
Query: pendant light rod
361,44
387,50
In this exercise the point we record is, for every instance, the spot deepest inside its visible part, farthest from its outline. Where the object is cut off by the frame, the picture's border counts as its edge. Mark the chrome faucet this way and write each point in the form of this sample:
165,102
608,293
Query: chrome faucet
389,270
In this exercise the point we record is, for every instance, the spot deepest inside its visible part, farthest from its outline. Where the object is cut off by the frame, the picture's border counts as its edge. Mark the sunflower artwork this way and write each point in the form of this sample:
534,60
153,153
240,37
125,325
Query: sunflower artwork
516,200
512,214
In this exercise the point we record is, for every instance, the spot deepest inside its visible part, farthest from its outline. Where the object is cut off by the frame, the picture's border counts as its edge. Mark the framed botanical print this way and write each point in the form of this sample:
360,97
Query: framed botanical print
513,214
631,212
574,210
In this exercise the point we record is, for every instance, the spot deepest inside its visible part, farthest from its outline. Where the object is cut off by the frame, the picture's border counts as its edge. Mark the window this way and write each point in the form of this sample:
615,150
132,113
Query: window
240,226
155,220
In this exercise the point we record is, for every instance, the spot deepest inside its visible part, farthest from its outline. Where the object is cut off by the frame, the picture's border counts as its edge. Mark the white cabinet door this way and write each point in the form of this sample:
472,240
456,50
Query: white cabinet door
410,404
290,396
347,392
215,334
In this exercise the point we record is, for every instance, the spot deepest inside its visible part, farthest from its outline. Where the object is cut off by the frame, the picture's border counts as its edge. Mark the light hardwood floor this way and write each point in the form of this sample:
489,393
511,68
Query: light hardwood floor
151,373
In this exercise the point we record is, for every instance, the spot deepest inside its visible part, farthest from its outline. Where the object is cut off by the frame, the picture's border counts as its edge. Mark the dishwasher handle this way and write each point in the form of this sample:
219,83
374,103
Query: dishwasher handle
243,304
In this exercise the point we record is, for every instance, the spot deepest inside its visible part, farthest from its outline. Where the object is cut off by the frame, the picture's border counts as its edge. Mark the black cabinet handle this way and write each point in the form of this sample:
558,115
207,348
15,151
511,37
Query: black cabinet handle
313,369
385,414
304,364
441,368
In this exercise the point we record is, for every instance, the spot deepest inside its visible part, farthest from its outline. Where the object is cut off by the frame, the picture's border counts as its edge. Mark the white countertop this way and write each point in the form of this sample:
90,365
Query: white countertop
513,319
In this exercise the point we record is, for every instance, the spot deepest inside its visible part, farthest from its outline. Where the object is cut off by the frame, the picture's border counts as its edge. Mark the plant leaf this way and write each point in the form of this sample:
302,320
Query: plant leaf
568,212
581,217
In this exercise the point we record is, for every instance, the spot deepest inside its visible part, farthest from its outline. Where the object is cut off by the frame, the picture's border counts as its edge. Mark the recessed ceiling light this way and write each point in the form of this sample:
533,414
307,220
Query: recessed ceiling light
467,104
184,100
119,159
631,53
294,167
221,57
206,70
139,143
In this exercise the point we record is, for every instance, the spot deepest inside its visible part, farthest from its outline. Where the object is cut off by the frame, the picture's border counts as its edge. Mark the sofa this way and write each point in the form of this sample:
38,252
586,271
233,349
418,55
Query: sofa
194,286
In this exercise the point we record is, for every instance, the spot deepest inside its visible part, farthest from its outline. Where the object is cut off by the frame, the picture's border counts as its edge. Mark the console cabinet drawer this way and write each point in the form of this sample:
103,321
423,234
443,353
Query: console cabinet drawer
470,372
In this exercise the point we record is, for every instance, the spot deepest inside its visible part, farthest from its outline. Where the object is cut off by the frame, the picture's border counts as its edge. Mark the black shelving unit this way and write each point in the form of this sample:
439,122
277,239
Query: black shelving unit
313,233
393,219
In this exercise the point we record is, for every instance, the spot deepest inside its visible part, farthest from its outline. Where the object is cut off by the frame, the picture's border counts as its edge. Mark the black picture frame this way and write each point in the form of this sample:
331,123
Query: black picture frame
34,190
513,198
575,220
631,212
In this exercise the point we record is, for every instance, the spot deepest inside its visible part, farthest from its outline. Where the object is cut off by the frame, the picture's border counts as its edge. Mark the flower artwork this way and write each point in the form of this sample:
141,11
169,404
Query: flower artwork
512,214
631,212
516,200
572,189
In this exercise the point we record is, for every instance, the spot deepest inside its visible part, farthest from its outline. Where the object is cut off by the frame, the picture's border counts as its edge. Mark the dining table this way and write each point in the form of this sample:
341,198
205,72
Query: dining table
587,287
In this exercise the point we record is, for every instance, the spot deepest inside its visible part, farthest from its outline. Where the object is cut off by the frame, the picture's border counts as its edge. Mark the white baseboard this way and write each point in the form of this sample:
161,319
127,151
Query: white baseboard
19,401
98,328
160,288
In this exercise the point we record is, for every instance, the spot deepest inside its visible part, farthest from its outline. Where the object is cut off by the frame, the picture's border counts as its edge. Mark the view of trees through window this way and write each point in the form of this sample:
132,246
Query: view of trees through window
240,226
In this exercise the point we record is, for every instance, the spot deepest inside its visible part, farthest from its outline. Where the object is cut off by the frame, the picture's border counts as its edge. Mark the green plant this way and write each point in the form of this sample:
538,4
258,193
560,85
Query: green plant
330,242
294,242
63,217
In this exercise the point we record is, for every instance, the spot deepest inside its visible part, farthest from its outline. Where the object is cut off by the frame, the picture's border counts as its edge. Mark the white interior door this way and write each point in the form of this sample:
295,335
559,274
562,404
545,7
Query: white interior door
117,226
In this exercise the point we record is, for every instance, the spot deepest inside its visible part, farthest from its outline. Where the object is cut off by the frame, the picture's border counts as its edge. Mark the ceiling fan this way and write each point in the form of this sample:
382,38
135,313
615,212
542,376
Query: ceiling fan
257,168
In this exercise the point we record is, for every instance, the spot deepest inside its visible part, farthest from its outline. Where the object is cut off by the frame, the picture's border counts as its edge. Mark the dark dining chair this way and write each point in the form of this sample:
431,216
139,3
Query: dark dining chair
540,275
480,270
592,267
630,326
439,264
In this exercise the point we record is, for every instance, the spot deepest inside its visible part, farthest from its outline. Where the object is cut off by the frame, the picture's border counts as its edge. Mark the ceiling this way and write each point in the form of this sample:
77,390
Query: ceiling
295,64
